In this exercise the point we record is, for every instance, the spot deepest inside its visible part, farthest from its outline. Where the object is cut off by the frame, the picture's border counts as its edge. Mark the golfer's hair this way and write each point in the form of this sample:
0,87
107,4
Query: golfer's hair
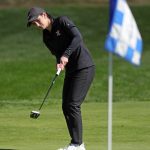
50,16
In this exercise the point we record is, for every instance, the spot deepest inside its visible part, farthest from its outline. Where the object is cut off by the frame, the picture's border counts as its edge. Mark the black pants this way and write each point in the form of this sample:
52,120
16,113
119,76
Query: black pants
76,86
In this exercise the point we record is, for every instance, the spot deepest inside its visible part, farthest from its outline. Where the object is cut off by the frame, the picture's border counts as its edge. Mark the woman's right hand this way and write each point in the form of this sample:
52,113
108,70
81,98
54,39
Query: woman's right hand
61,66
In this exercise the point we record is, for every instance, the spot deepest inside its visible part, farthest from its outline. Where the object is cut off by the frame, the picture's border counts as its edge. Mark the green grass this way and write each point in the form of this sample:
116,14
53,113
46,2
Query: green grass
130,126
27,66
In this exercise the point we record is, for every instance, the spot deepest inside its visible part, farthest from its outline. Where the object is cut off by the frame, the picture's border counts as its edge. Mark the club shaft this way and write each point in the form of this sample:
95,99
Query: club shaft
51,85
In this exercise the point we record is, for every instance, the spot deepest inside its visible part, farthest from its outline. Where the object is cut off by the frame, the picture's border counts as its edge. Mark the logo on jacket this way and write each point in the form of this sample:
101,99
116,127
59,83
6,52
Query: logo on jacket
58,33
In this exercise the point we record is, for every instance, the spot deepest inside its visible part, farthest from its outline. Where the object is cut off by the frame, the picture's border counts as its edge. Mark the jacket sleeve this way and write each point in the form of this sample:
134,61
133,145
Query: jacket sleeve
69,27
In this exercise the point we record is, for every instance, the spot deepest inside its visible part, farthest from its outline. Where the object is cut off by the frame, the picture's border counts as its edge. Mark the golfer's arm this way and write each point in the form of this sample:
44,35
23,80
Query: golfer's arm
75,42
72,31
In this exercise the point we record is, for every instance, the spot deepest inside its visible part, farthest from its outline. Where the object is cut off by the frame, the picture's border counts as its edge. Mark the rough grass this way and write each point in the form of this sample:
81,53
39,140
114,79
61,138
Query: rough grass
15,3
27,66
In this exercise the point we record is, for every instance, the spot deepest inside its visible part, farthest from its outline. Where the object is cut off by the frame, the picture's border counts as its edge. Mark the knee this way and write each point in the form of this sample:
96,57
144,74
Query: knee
70,109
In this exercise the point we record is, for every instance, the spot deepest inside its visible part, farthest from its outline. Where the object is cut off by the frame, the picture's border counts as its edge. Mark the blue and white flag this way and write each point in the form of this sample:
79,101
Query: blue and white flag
124,38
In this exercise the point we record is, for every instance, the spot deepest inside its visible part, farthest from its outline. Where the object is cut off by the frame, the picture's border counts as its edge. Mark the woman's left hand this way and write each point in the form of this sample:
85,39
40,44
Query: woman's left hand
64,60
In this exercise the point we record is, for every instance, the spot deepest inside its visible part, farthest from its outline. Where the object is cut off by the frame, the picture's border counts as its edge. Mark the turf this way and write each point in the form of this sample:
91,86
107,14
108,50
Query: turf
27,66
48,132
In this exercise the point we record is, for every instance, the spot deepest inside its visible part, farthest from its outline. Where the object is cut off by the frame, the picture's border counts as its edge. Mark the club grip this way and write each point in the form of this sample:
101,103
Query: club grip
58,71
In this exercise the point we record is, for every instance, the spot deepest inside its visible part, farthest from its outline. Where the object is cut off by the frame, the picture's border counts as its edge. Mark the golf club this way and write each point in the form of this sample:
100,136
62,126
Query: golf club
35,114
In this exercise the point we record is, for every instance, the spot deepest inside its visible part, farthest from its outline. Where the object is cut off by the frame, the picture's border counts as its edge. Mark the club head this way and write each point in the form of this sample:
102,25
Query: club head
34,114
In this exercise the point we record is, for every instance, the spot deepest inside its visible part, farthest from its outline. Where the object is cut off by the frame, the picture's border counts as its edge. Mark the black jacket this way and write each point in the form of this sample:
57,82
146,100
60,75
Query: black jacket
66,40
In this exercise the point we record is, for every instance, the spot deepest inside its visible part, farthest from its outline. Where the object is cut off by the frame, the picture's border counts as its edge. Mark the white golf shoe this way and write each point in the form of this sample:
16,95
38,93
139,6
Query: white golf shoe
74,147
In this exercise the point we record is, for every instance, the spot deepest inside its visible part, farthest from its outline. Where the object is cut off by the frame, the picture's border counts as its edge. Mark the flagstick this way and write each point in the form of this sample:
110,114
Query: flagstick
110,101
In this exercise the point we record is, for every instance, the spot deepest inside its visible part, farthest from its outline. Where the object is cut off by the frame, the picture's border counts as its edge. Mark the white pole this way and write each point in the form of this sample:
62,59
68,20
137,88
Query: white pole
110,101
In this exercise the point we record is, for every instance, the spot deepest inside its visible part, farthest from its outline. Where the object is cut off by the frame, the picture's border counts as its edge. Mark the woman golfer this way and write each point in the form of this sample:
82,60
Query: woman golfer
64,40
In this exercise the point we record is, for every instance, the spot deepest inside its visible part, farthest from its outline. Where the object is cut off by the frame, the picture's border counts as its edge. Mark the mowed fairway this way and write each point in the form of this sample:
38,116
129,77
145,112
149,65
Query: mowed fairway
130,127
26,68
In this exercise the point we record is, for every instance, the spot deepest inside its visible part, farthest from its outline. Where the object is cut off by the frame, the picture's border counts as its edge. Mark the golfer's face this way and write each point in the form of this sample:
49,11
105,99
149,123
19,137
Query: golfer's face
41,22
